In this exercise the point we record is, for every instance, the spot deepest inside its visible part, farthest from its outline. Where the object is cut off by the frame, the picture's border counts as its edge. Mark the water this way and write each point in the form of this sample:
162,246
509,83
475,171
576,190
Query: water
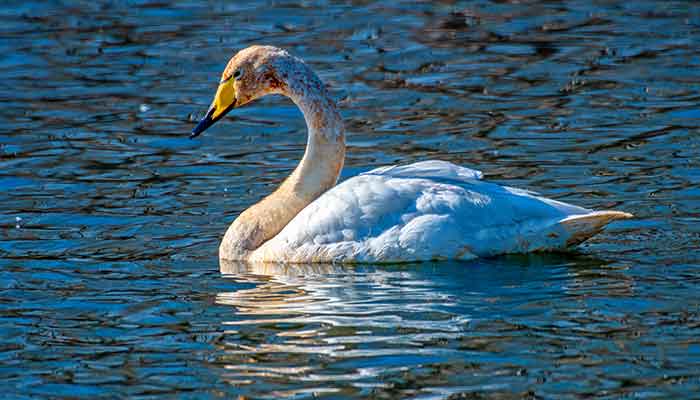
109,279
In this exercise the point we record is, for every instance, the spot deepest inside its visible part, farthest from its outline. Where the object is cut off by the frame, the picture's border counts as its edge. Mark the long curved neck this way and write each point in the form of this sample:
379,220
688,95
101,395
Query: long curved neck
325,148
317,172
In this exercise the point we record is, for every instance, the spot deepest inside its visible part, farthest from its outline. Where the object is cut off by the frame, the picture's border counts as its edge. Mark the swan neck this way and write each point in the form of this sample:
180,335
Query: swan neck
317,172
325,147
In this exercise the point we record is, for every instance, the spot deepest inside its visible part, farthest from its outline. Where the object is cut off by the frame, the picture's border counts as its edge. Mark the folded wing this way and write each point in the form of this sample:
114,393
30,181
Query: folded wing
428,210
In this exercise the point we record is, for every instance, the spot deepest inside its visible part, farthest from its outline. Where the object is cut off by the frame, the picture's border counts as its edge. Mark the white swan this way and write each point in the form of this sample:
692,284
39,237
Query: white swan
423,211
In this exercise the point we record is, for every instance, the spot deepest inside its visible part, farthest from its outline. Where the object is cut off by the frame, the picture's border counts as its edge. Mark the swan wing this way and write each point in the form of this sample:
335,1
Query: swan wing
390,216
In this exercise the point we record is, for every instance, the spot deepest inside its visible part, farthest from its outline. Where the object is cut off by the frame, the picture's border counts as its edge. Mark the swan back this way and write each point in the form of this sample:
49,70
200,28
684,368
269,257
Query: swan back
431,169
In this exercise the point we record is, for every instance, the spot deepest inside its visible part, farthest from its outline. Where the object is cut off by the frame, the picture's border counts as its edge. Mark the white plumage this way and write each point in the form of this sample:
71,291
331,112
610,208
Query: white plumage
424,211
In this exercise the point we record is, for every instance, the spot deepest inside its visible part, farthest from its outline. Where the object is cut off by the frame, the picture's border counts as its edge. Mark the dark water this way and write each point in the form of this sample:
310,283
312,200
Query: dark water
110,217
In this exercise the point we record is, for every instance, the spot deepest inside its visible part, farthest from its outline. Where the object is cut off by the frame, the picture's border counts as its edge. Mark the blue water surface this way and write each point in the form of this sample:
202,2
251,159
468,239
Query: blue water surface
110,217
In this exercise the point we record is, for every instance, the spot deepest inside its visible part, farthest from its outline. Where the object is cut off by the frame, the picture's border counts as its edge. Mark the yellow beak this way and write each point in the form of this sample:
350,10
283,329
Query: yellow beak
224,101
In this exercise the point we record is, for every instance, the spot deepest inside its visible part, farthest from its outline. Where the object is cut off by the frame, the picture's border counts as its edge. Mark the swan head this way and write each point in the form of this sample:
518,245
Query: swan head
252,73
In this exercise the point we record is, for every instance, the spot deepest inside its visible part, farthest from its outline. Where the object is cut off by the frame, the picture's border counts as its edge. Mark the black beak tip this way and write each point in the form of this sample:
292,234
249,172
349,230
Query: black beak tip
208,121
205,123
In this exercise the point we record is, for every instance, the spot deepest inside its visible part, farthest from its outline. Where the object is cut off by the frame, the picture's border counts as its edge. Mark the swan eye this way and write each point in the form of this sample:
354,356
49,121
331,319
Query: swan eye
237,75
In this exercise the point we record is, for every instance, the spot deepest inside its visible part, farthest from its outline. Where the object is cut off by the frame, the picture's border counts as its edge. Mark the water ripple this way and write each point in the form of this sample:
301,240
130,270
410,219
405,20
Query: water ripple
111,217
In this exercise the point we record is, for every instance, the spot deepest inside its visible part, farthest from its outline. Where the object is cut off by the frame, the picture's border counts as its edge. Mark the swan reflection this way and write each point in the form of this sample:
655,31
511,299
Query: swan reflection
310,324
335,295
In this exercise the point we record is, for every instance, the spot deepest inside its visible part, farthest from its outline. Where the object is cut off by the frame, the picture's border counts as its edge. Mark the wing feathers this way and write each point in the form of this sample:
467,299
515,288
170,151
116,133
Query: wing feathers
428,210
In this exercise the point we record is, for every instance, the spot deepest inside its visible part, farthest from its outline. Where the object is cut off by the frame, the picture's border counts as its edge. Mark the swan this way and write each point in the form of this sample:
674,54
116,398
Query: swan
429,210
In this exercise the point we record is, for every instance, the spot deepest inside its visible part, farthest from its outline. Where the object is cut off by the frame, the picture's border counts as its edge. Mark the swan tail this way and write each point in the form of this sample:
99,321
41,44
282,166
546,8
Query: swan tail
581,227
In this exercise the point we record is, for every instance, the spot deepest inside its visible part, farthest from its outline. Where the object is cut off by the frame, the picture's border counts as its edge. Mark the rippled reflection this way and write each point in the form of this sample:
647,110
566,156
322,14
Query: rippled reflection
359,329
328,317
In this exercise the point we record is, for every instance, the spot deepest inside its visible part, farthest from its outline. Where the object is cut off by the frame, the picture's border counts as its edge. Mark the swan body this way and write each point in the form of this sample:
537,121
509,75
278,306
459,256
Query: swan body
423,211
426,211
